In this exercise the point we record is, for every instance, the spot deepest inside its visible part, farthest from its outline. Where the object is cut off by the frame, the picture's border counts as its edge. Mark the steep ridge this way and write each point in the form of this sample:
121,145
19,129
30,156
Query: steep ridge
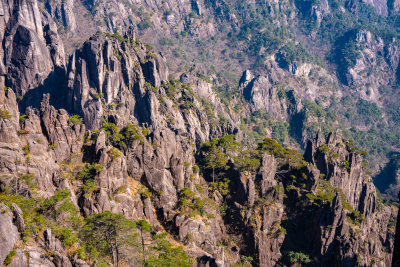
326,208
112,82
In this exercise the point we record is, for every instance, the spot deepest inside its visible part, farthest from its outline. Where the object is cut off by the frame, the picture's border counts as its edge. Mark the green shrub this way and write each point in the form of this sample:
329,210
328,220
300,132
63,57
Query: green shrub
283,231
149,87
149,47
90,171
89,187
114,153
67,236
75,120
195,169
292,53
28,179
324,192
112,132
23,118
330,153
168,255
26,150
145,132
314,109
222,186
120,189
9,257
199,188
119,37
131,133
287,156
52,147
159,236
298,257
189,204
223,120
98,96
34,221
145,23
355,217
4,114
146,193
248,160
59,196
171,88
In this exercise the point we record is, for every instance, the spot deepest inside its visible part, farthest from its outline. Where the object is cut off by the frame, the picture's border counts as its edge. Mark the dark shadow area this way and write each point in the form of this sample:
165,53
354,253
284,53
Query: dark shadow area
296,125
387,176
54,85
247,90
396,248
345,55
300,236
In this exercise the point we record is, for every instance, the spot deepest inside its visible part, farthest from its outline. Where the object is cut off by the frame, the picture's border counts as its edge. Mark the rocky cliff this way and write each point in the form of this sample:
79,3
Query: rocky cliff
326,208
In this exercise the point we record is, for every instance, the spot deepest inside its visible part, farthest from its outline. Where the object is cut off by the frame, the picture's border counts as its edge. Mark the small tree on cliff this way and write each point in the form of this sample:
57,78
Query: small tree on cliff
106,232
248,160
217,152
143,226
215,159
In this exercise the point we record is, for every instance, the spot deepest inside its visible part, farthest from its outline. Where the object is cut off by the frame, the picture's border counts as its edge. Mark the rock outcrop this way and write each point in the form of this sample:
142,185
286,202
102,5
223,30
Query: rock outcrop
370,52
8,232
262,94
31,49
112,82
355,213
338,203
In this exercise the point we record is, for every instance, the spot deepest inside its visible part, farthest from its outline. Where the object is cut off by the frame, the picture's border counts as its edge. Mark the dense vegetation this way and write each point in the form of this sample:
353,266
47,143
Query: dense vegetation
99,238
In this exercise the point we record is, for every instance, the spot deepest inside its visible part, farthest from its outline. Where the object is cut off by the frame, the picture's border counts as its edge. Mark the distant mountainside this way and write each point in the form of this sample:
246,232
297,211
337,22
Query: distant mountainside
258,136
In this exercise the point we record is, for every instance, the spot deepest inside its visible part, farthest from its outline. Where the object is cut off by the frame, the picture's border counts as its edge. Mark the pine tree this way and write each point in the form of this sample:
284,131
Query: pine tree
143,226
106,232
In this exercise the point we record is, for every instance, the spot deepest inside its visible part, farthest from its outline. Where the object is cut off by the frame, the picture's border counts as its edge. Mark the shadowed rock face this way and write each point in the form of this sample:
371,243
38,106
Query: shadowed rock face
328,232
396,246
337,243
8,232
263,95
30,45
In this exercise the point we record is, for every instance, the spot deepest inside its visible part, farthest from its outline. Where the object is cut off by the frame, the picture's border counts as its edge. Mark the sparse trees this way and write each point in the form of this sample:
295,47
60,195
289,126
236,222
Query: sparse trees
298,257
248,160
218,151
106,232
167,255
143,226
215,159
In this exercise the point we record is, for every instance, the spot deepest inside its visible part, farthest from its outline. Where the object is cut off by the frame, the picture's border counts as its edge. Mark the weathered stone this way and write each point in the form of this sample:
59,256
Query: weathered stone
8,232
35,258
61,260
19,259
51,242
18,219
